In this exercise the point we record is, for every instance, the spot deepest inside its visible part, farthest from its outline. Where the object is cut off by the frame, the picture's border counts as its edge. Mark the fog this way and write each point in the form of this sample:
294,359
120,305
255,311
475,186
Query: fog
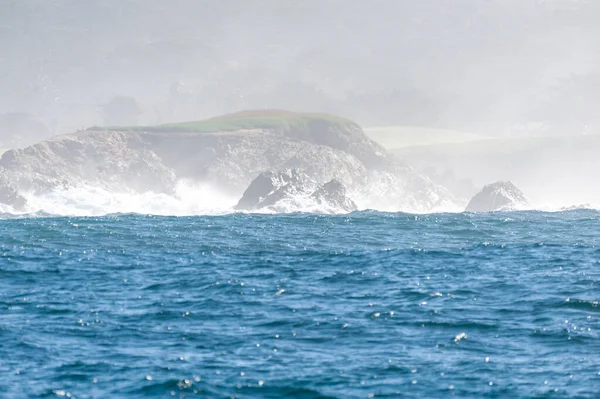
485,66
499,69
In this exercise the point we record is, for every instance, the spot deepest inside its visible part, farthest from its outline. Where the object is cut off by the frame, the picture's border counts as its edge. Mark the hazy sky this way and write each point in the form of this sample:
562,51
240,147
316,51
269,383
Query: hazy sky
488,66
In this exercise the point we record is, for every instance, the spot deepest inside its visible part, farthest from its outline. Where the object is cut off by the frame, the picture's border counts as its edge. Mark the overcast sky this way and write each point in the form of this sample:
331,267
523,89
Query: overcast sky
488,66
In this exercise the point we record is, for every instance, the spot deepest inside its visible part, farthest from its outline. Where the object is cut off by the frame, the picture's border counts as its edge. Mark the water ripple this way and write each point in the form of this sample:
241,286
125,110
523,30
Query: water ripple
363,305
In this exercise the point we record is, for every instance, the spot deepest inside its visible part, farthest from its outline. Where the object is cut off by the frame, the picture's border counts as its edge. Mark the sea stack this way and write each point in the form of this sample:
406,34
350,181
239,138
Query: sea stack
499,196
292,190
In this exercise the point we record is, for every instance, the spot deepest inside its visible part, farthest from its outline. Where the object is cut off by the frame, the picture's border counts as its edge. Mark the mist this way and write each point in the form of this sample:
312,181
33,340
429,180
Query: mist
521,75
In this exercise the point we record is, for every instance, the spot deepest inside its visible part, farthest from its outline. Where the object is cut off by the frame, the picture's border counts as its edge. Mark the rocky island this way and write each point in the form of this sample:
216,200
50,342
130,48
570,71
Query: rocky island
499,196
339,165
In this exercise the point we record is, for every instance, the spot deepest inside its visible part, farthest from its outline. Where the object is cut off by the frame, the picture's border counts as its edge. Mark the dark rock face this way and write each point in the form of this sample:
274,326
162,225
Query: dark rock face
292,190
270,187
333,194
500,196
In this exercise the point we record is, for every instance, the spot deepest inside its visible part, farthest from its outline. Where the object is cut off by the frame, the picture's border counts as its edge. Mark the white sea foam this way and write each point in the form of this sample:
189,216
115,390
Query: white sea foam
189,199
203,199
301,203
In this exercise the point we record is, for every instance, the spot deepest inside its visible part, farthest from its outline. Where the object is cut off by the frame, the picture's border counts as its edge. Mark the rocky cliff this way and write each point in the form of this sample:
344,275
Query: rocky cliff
227,152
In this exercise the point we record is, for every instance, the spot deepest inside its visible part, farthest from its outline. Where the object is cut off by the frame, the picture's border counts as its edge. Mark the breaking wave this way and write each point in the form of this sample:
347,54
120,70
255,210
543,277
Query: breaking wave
189,199
192,199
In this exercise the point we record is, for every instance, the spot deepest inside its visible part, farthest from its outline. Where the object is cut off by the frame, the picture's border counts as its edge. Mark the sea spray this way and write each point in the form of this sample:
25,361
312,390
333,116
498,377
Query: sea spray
85,200
192,198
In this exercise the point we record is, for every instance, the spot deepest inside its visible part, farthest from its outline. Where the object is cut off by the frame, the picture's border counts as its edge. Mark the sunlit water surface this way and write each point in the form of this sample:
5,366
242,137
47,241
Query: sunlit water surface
305,306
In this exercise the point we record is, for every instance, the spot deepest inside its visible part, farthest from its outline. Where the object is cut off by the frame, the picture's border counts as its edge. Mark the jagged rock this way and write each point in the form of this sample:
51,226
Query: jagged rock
270,187
227,153
116,161
333,195
500,196
292,190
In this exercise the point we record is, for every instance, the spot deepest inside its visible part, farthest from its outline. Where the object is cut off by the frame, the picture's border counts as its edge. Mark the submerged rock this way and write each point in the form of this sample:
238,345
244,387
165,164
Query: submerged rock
293,190
499,196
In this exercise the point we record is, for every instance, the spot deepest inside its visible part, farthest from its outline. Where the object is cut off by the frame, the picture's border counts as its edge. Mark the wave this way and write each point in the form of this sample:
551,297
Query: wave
191,199
85,200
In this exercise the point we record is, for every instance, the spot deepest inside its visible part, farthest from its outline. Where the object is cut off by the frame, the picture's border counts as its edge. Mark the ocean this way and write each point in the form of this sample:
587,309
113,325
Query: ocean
364,305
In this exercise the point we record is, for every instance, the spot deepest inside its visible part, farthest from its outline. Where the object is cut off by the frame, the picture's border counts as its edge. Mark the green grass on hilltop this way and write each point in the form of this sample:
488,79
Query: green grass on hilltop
270,119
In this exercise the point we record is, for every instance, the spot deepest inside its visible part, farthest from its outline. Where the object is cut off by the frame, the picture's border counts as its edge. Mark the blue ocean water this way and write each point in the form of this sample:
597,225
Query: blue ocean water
305,306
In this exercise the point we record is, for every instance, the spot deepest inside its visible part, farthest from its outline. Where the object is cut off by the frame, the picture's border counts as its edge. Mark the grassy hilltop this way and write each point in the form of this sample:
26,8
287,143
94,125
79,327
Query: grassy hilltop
245,120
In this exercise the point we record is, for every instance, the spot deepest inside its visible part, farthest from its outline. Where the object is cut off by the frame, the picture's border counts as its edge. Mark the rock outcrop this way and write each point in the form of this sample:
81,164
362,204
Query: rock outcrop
116,161
271,187
332,195
293,190
499,196
227,152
